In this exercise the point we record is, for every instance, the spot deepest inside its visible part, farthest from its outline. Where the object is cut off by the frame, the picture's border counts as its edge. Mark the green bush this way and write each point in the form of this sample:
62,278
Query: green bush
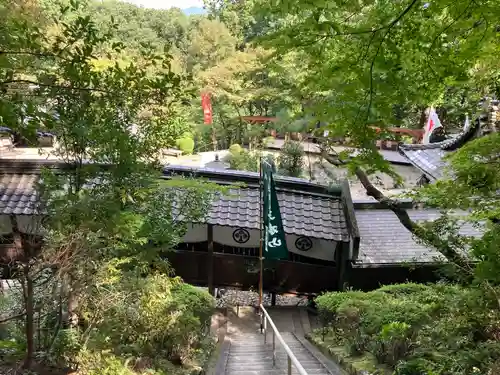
186,145
235,149
291,159
418,329
403,289
393,343
102,363
244,161
155,317
417,366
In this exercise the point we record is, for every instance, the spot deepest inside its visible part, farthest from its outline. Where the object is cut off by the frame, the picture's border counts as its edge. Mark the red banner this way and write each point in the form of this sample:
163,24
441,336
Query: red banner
207,108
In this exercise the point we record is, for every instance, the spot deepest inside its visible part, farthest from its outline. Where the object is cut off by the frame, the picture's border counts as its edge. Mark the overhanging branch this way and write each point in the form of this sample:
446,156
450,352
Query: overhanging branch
426,236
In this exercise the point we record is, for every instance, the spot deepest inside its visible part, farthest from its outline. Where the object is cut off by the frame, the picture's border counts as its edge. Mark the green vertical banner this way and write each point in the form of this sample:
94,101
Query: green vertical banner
274,235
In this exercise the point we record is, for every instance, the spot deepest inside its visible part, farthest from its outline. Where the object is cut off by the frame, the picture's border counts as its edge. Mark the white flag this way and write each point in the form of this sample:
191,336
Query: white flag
432,124
467,123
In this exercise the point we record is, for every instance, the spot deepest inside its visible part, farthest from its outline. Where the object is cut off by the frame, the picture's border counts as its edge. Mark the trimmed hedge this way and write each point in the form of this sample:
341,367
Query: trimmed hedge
417,329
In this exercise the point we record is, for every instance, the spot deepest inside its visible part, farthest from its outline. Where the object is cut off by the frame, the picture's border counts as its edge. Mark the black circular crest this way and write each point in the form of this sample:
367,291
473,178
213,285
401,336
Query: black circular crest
303,243
241,235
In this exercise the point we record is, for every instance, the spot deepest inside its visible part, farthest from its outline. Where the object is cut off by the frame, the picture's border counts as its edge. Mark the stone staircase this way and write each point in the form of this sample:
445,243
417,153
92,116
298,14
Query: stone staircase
246,353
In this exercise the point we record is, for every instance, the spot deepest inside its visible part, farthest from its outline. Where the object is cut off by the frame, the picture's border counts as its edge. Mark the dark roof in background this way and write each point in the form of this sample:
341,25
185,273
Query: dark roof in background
307,209
385,242
429,158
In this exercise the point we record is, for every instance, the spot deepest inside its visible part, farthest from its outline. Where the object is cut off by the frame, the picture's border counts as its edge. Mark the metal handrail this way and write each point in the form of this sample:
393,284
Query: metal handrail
291,357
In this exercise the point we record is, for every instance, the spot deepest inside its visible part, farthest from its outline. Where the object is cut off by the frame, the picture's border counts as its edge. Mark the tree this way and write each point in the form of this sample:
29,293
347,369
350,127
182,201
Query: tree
209,43
291,159
108,213
364,60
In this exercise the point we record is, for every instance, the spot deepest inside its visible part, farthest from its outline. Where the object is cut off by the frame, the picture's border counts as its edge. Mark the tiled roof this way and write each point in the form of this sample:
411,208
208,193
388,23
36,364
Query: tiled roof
429,158
17,194
385,241
302,213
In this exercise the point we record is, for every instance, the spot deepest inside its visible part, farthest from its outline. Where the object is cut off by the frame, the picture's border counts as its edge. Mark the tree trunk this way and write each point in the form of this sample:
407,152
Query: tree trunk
30,311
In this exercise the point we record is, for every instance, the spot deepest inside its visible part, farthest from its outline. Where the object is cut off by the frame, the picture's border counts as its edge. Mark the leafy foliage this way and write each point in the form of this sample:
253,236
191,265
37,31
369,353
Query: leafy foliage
243,160
291,159
109,215
439,328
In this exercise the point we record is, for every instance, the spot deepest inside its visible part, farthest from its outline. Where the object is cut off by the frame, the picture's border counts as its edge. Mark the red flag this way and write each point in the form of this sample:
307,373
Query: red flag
207,108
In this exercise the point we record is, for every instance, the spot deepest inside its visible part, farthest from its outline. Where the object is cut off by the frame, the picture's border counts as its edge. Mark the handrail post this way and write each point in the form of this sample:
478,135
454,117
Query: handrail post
265,329
274,349
290,356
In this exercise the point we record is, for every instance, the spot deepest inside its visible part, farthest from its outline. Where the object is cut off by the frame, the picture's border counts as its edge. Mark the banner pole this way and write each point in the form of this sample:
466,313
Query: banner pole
261,276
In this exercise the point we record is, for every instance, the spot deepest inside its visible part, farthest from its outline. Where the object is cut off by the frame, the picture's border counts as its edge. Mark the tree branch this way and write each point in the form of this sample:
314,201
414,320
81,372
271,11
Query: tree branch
13,317
3,83
416,229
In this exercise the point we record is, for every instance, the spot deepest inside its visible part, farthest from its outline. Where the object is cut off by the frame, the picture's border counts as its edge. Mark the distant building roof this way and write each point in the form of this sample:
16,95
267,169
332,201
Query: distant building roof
307,209
429,157
385,242
17,194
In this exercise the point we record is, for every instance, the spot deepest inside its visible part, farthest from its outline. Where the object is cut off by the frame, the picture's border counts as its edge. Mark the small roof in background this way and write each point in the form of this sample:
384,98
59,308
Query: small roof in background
429,157
17,194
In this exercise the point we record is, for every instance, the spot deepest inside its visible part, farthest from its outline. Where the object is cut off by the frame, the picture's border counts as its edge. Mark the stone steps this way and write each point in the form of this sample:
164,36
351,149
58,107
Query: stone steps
248,355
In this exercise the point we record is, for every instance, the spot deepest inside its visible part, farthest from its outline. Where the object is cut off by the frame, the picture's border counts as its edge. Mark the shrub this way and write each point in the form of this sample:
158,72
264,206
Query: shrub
154,317
403,289
291,159
393,343
417,366
235,149
418,329
328,303
244,161
186,145
67,345
102,363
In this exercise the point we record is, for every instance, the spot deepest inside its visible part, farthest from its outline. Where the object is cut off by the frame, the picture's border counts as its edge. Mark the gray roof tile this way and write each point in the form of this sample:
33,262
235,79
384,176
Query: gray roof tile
302,214
429,157
384,240
17,194
316,216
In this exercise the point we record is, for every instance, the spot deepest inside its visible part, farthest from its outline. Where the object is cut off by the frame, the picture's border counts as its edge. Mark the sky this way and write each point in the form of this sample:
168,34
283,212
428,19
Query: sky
165,4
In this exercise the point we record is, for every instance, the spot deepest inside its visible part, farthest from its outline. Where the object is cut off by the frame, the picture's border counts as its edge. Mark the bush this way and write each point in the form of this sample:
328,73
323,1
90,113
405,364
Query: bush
186,145
155,317
291,159
244,161
235,149
102,363
418,329
393,343
403,289
417,366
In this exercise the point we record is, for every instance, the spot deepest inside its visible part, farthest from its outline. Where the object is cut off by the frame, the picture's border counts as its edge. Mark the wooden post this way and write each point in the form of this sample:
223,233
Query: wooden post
341,259
210,263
